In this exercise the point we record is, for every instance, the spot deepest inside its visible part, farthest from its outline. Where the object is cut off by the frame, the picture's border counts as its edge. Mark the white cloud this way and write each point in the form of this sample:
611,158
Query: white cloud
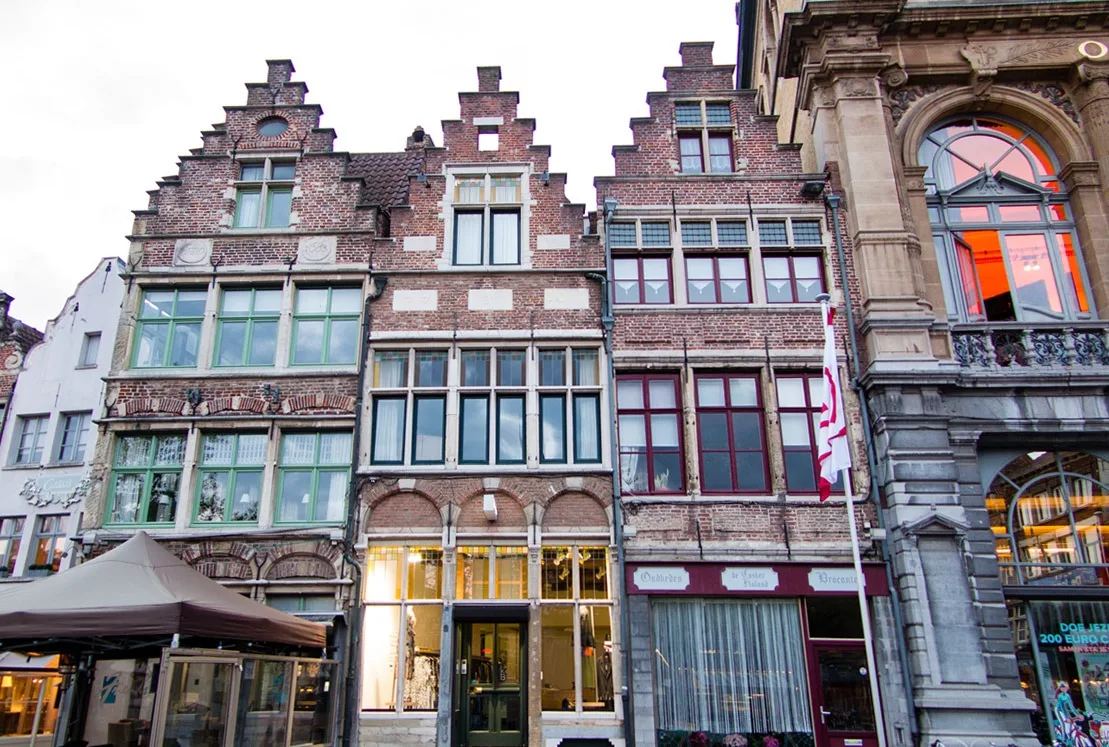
102,97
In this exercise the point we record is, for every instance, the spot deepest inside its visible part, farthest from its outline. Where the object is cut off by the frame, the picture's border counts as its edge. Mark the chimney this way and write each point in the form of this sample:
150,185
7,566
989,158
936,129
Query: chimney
489,79
281,72
696,54
5,304
419,140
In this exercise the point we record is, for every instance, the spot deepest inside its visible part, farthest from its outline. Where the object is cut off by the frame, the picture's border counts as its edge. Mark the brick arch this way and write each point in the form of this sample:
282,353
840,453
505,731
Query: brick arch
510,512
407,509
301,565
318,402
152,406
215,405
575,510
218,561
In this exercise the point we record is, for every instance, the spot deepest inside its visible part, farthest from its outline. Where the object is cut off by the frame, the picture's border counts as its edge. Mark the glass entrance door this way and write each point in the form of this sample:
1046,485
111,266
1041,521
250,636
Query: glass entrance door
842,703
490,703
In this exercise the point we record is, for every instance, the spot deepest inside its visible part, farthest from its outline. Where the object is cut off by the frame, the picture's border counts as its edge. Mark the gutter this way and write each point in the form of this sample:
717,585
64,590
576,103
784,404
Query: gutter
833,201
608,321
350,531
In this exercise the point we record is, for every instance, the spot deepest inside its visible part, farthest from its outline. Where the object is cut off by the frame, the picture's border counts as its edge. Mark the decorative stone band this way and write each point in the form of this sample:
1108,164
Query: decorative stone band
173,406
1030,346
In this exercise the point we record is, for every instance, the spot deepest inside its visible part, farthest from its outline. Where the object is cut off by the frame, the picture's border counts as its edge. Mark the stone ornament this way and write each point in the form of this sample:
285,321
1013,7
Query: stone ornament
192,252
317,250
38,493
13,361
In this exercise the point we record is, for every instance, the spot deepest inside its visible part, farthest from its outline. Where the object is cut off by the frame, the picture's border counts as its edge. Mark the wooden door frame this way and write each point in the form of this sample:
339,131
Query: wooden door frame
821,733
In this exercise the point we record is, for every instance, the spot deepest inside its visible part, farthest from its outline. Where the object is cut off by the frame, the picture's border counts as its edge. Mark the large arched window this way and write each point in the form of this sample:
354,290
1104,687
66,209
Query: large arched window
1002,224
1049,512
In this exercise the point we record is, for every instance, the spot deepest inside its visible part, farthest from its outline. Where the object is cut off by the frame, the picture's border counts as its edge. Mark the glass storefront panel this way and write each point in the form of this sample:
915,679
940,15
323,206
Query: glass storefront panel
263,715
20,695
421,657
729,670
312,703
380,631
557,692
197,712
596,658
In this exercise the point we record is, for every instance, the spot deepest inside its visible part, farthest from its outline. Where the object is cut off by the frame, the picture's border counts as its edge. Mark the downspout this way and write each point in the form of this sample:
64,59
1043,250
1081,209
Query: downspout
608,320
350,531
833,201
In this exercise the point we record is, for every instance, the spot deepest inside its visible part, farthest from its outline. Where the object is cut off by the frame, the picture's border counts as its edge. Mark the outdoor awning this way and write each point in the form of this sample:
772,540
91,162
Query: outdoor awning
137,590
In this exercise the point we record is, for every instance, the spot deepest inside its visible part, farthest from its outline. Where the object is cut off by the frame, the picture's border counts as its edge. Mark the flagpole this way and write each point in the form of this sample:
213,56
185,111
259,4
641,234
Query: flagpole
864,611
831,376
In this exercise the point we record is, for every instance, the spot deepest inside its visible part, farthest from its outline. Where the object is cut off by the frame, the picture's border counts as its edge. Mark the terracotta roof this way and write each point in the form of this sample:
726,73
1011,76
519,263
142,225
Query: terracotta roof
386,175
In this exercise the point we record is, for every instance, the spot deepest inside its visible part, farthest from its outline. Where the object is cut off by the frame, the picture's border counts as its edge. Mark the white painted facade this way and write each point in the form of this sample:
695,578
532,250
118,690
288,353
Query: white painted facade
60,379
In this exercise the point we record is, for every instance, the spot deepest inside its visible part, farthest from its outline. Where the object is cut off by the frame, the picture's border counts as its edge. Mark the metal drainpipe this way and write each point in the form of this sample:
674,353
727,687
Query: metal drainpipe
607,323
833,201
350,531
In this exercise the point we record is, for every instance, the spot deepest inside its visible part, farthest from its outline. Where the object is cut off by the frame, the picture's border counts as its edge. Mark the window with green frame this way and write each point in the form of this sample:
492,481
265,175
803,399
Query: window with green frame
248,319
146,478
325,326
230,484
264,198
168,329
314,471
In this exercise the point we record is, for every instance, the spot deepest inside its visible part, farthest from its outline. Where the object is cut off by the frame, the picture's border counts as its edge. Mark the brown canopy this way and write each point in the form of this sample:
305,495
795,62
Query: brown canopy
140,589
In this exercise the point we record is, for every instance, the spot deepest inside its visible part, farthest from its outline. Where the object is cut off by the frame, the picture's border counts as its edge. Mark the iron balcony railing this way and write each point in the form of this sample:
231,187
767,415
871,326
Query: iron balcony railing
1031,345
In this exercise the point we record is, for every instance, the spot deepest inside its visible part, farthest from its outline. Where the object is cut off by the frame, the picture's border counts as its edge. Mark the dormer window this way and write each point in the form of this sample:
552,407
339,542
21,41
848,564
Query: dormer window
264,197
702,147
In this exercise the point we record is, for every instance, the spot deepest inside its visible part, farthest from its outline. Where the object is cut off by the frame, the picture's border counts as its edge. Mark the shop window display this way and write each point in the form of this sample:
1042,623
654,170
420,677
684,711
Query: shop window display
730,673
22,696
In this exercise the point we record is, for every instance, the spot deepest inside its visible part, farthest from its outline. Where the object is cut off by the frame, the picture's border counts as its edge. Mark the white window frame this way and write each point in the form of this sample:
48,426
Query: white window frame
487,207
87,345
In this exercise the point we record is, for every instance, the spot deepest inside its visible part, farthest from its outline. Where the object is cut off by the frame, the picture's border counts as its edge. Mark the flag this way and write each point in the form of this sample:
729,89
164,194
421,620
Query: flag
832,455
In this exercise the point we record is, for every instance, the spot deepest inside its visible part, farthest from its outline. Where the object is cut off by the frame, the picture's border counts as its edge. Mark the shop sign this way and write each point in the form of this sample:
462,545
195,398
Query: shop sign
661,578
749,579
833,579
1083,635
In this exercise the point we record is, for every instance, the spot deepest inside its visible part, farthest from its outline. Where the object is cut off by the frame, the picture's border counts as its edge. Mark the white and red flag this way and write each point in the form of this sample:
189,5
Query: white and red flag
833,454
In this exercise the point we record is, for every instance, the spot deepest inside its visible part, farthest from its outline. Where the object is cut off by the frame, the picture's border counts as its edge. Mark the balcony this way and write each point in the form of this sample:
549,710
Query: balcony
1024,345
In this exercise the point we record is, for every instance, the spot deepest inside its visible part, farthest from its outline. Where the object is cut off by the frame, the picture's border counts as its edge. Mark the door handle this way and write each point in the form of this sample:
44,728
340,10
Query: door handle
823,713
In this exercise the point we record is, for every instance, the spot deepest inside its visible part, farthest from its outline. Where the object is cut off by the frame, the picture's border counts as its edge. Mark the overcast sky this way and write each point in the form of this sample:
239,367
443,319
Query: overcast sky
104,96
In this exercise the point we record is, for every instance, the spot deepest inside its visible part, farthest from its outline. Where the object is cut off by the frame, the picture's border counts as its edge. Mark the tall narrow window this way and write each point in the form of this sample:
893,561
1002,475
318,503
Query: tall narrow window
146,478
230,477
1004,231
32,439
390,380
649,423
74,436
264,196
325,326
799,413
90,350
168,333
730,433
511,374
248,320
429,411
11,534
49,545
487,223
314,470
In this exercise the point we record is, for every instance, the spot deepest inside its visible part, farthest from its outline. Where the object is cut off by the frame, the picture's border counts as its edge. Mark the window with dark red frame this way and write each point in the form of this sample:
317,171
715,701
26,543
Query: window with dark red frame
641,279
650,434
799,414
730,433
712,279
796,273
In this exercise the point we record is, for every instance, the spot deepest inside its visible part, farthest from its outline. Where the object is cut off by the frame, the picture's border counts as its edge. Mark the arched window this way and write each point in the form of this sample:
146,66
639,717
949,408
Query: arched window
1049,512
1003,227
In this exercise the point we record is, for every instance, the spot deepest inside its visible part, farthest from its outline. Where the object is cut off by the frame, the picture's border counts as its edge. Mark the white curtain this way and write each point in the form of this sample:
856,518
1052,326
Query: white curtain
506,238
467,241
730,667
587,430
389,430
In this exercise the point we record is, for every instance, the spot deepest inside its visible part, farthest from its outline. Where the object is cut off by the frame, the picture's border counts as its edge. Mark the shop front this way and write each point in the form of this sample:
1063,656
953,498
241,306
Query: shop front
28,696
757,656
1049,511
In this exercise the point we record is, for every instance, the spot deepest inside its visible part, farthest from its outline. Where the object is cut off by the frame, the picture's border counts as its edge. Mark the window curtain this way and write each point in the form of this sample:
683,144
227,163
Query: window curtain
729,667
467,241
506,238
389,430
587,427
